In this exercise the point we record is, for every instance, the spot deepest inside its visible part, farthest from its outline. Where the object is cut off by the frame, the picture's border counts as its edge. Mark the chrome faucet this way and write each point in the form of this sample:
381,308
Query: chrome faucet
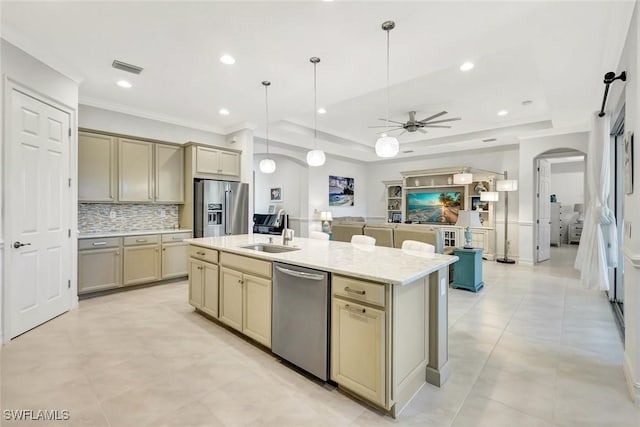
287,235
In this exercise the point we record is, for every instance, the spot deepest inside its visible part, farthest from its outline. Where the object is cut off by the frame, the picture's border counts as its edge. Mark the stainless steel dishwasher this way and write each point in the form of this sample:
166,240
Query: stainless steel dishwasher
300,317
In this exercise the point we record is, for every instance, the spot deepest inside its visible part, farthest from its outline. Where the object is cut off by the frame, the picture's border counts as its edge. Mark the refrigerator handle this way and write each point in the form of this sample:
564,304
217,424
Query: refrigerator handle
227,218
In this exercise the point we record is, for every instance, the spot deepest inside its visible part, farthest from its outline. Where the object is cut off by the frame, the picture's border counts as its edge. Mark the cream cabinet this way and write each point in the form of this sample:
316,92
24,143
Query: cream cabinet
135,171
169,174
358,349
203,286
99,264
141,259
97,167
174,255
358,338
212,161
245,296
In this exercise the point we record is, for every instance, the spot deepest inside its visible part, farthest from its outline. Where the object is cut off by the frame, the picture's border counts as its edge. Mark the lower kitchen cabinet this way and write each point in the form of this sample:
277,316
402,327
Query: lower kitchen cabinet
141,264
99,269
245,296
203,286
174,260
358,349
231,298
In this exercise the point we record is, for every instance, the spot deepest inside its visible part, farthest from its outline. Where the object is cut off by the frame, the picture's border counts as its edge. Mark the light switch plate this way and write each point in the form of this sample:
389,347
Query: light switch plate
112,214
162,213
627,229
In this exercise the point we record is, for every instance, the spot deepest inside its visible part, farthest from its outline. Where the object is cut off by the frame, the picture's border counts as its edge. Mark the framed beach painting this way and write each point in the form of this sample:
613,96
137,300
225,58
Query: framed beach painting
341,191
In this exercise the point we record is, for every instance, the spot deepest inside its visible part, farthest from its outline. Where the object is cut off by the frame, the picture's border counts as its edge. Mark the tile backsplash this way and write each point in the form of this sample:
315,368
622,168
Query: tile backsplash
104,217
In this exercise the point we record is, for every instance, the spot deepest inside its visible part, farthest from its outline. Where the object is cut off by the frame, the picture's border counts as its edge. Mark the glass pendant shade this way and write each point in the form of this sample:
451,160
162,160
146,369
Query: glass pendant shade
316,158
489,196
462,178
507,185
387,146
267,166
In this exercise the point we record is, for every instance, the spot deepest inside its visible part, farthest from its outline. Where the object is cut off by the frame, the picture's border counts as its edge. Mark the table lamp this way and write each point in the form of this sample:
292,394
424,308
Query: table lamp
326,217
579,207
468,219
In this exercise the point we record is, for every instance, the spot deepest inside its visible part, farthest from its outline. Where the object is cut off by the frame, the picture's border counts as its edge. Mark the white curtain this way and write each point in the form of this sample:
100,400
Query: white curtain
599,240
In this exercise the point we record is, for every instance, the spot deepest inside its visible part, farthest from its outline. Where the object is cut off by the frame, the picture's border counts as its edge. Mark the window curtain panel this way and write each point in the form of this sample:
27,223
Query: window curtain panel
599,241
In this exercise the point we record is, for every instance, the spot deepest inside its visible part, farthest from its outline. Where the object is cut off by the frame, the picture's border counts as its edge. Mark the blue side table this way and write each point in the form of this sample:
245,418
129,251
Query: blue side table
467,272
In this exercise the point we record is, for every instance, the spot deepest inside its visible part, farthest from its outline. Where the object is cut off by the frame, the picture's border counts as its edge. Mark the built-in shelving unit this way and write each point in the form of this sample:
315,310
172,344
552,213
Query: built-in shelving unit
394,196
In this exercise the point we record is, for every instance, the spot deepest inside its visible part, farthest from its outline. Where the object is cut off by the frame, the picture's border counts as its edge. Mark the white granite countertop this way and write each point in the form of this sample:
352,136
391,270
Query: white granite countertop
100,235
376,263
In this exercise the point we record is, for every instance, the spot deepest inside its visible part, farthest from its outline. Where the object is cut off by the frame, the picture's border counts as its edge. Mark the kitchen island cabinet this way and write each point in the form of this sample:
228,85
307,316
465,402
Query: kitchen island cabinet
389,310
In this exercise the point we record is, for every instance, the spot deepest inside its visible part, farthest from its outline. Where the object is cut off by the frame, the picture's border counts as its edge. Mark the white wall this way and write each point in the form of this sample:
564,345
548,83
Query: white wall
630,62
530,148
111,121
21,68
567,182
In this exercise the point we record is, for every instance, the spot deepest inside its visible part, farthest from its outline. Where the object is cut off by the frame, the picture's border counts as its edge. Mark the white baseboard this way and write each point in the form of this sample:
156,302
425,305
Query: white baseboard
634,387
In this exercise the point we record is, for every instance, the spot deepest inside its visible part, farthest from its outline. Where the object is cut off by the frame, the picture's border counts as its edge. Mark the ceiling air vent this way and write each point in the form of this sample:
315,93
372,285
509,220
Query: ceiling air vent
489,140
126,67
407,151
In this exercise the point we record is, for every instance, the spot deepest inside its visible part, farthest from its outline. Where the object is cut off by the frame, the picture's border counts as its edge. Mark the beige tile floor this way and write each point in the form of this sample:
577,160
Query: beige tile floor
531,349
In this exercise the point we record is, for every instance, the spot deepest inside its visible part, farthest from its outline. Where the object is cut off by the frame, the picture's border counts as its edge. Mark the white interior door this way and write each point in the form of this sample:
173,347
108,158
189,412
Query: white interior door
543,238
38,213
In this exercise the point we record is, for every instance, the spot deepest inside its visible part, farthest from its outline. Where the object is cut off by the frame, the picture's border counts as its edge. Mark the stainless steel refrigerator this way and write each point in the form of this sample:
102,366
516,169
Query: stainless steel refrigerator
221,208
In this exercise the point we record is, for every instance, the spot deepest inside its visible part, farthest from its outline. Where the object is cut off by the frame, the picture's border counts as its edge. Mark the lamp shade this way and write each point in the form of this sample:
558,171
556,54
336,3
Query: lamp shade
578,207
489,196
507,185
462,178
468,219
326,216
316,158
267,166
387,146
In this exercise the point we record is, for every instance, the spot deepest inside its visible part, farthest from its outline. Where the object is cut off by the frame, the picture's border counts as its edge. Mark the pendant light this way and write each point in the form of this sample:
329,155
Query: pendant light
315,157
387,146
267,165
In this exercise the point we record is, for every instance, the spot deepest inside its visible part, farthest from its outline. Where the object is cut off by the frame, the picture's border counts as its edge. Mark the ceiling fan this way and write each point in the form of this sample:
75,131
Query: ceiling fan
417,125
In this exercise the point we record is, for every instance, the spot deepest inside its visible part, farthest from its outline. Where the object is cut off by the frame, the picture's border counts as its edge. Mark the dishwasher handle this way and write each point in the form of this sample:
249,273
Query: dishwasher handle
300,274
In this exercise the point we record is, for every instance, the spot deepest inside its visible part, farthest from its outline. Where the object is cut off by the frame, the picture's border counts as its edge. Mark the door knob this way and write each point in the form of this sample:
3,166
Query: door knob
18,244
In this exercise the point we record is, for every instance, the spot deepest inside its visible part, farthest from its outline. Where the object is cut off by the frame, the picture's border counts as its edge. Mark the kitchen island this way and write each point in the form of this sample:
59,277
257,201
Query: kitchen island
388,331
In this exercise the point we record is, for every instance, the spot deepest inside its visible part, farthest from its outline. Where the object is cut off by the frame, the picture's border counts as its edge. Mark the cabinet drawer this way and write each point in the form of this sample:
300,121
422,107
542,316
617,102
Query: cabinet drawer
175,237
108,242
246,264
205,254
142,240
356,289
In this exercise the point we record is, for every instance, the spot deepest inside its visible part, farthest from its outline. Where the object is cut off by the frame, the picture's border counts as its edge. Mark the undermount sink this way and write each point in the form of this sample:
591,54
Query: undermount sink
273,249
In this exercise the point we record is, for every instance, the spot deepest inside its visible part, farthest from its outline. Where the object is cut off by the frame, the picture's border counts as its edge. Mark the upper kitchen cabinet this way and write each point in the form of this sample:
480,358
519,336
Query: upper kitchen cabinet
216,163
169,174
97,167
135,170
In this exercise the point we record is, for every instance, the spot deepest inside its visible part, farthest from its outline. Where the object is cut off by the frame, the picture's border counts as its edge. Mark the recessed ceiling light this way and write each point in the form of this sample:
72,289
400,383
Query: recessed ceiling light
227,59
223,112
322,111
124,83
382,135
467,66
503,112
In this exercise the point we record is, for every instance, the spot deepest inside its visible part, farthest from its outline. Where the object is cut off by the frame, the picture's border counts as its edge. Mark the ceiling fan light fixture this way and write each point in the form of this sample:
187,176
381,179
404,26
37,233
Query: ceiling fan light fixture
387,146
267,165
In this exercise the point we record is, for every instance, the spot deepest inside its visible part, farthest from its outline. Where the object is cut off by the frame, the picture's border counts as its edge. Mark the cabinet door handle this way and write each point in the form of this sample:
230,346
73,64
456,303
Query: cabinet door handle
176,238
141,240
99,243
164,249
355,291
355,310
200,253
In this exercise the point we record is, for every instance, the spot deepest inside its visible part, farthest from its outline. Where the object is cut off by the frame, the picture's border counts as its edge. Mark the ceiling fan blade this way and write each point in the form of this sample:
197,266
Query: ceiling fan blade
391,121
422,131
442,121
403,132
433,117
380,126
389,130
437,126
